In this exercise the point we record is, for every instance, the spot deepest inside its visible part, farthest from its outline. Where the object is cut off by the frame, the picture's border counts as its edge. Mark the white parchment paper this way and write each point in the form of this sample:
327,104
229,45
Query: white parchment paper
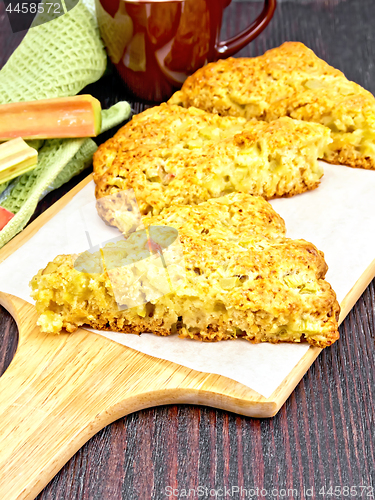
338,217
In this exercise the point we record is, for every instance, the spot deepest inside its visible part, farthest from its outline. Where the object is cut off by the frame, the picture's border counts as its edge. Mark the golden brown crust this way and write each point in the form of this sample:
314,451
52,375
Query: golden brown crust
244,279
351,158
172,155
246,86
118,325
290,81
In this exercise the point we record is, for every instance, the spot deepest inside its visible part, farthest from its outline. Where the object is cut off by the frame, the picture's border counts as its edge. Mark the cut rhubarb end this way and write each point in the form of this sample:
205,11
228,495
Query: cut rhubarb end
16,158
5,217
65,117
97,110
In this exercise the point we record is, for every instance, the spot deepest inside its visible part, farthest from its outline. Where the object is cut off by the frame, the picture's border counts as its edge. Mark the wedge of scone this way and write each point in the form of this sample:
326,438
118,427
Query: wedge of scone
169,154
289,81
240,278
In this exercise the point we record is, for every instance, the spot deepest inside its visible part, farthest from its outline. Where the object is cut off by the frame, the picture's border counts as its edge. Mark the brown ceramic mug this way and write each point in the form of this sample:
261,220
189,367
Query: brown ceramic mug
156,45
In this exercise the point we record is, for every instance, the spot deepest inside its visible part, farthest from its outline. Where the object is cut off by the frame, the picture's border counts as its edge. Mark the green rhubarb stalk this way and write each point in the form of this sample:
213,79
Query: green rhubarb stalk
16,158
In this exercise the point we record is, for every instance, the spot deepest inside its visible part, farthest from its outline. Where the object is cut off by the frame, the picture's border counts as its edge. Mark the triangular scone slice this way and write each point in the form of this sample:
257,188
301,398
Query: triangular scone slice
248,86
242,278
170,154
289,80
346,109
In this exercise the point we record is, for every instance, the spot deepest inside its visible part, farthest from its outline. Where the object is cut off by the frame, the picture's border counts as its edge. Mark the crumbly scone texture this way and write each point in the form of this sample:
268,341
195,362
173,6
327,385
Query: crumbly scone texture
240,278
289,80
172,155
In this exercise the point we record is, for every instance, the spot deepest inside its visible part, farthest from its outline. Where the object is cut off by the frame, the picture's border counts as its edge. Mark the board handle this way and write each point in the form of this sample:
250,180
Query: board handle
58,391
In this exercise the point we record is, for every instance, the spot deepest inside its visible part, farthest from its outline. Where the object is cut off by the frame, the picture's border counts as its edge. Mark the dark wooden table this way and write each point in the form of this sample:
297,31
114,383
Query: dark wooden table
324,435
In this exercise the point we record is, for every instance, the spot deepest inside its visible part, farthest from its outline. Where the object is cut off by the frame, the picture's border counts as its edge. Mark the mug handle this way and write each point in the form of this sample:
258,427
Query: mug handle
227,48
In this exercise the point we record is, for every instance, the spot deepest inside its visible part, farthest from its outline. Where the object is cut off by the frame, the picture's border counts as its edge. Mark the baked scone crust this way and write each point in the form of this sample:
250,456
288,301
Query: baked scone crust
246,86
289,80
244,279
172,155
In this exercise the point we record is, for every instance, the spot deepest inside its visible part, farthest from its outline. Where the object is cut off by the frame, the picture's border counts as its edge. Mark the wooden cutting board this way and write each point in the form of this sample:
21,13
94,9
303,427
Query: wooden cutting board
60,390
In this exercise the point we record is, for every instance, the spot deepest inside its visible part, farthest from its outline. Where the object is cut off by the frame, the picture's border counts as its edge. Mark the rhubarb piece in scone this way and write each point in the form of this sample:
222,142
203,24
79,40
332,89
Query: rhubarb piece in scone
289,80
240,278
169,154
